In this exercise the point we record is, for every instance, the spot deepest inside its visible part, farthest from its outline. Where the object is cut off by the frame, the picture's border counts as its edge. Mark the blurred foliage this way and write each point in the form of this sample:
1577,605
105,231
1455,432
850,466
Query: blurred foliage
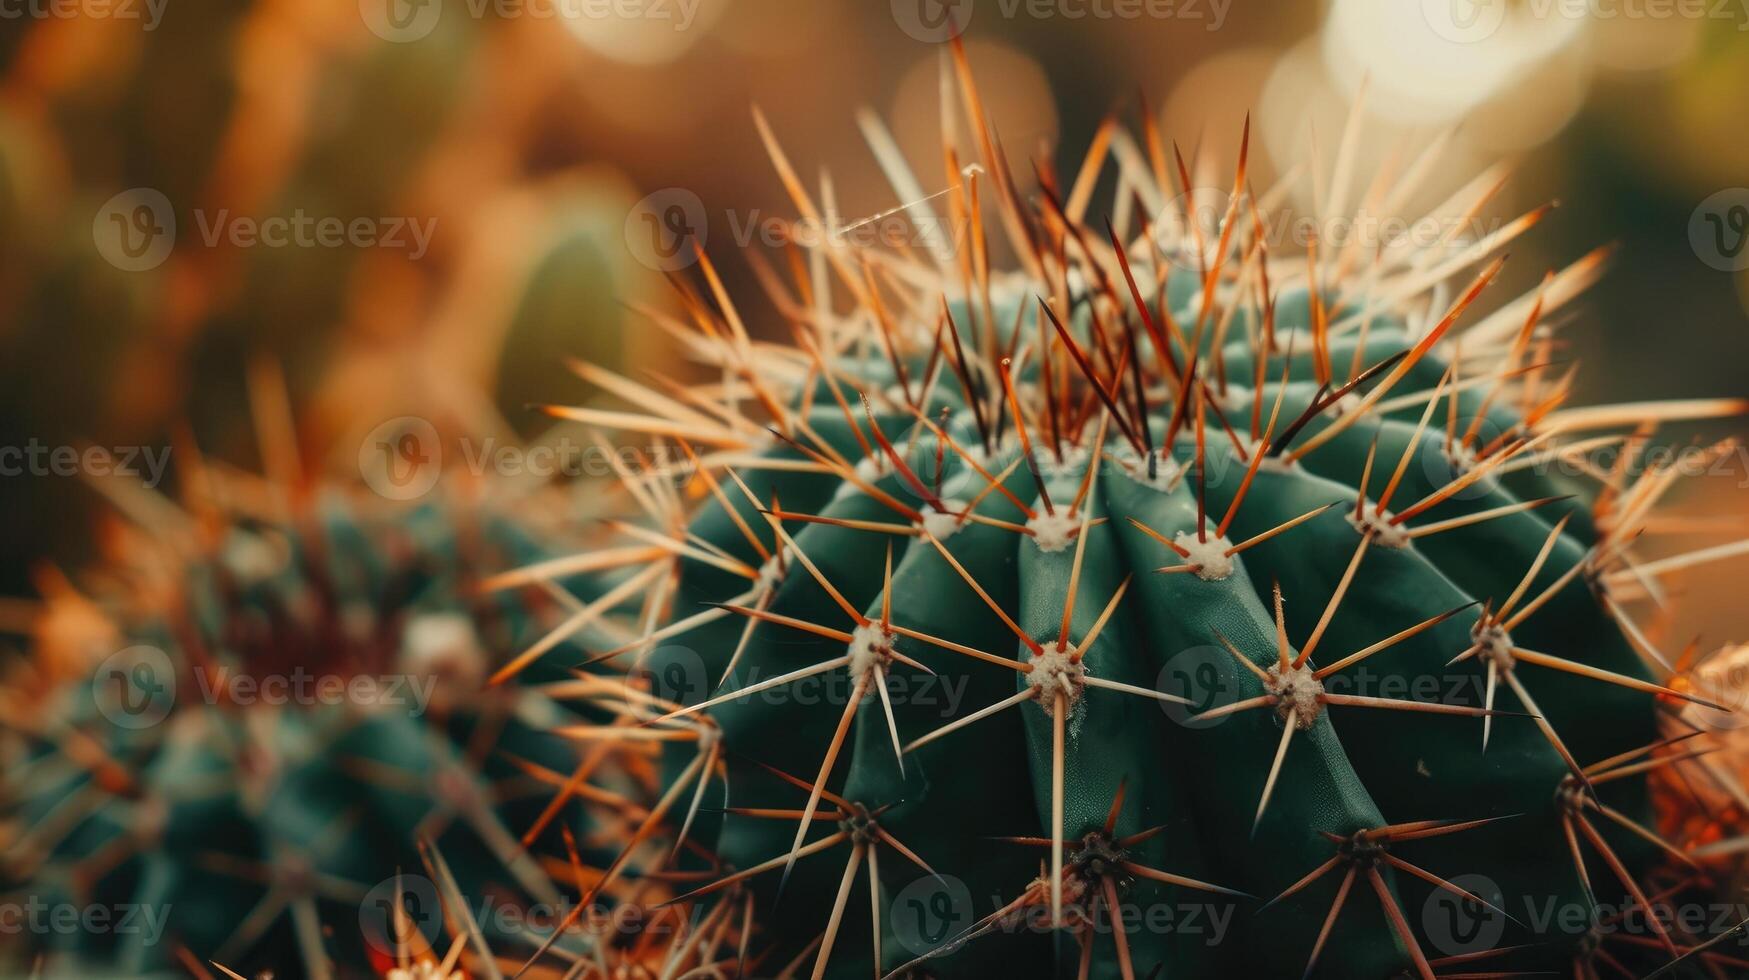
240,113
517,140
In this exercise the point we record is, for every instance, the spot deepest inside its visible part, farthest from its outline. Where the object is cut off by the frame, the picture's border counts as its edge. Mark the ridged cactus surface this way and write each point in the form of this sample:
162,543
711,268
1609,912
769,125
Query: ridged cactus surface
1163,575
278,704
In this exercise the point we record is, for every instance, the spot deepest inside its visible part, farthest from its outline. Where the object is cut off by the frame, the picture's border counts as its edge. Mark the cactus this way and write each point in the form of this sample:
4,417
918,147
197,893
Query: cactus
299,708
1162,605
1248,573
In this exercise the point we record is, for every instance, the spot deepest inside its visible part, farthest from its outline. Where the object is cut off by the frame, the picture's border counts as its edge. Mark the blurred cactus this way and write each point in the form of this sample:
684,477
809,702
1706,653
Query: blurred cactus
269,700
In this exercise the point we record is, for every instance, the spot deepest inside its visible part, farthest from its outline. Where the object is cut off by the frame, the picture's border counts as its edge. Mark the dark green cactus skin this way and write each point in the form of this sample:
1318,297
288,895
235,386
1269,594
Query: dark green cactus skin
1354,768
217,782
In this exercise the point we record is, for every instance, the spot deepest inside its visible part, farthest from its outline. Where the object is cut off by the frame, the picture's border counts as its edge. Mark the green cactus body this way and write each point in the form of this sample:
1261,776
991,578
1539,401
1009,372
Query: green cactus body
247,819
1202,783
1327,652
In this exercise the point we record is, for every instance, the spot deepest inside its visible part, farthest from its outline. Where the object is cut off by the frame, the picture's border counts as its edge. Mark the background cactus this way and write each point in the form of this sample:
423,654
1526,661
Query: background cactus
298,710
1252,569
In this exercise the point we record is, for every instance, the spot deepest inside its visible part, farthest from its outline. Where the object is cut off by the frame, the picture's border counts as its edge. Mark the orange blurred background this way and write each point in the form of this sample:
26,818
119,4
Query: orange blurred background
523,133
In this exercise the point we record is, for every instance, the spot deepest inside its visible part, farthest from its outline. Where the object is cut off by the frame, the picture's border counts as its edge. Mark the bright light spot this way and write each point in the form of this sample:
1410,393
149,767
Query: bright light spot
641,33
1432,60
